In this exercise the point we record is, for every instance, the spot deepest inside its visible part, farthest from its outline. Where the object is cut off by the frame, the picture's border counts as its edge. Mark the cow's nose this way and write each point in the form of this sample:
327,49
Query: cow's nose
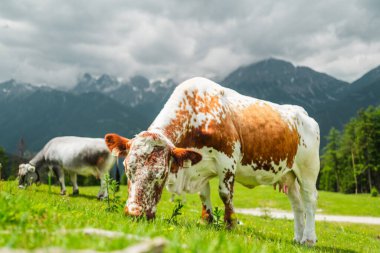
133,210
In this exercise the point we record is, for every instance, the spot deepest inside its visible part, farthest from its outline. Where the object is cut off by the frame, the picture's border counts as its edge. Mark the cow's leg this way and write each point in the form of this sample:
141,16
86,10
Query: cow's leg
73,177
226,191
297,206
204,194
309,197
58,171
103,193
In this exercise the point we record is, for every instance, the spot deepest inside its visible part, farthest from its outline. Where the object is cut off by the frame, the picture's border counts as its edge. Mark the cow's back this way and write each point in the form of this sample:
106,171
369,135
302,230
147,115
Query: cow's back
264,139
71,151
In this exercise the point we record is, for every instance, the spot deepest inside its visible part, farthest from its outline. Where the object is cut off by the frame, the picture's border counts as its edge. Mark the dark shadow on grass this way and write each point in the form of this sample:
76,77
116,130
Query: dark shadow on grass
51,193
85,196
69,195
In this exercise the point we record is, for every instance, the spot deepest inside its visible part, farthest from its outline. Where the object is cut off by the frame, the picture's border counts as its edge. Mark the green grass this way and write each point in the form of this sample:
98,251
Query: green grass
328,202
33,218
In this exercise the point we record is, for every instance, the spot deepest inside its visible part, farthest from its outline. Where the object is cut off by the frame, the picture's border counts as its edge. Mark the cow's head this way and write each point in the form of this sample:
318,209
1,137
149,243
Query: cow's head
149,159
27,175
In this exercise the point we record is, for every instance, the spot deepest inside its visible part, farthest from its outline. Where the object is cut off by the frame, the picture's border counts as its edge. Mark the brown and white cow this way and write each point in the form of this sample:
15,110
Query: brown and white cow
206,131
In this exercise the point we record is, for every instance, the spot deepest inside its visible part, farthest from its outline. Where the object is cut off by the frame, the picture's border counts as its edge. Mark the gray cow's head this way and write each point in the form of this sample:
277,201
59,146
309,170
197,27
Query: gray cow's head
149,159
27,174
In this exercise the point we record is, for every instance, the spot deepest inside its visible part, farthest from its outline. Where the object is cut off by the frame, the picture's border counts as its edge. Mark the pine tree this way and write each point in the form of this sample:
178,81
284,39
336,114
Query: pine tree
348,152
3,162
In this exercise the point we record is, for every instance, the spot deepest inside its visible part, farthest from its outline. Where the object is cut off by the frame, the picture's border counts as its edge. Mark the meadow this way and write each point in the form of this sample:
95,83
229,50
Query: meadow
36,218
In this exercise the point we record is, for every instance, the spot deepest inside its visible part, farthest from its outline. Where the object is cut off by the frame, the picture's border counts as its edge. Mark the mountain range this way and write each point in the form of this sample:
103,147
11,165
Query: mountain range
97,105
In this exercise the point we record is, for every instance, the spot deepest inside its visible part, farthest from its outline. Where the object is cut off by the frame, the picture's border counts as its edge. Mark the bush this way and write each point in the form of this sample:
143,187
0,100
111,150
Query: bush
374,192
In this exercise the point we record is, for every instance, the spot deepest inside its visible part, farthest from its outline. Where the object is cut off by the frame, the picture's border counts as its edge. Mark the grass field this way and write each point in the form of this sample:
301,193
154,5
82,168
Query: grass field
35,218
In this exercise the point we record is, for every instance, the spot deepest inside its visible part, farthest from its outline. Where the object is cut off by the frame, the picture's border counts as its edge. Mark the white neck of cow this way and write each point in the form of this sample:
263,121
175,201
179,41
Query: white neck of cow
38,159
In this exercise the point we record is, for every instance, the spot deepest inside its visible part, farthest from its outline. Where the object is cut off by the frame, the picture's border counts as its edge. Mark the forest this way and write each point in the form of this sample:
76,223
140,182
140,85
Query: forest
350,162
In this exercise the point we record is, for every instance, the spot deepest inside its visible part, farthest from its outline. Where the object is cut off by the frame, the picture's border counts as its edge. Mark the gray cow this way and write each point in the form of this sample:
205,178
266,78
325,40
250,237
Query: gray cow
76,155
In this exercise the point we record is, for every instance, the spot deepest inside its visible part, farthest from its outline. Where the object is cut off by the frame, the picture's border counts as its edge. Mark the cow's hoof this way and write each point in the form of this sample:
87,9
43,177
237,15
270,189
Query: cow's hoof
75,192
308,242
231,224
206,220
102,196
206,217
63,193
297,240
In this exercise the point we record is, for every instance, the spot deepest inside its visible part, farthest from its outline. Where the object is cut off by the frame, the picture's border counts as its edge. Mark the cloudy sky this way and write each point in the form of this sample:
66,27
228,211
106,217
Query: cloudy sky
53,42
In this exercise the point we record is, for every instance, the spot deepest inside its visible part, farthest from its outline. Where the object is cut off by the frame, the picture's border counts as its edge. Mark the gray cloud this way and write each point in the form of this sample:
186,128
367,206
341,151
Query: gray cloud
53,42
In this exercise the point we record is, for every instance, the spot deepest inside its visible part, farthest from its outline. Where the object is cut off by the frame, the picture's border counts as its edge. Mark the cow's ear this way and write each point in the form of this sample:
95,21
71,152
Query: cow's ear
180,155
118,145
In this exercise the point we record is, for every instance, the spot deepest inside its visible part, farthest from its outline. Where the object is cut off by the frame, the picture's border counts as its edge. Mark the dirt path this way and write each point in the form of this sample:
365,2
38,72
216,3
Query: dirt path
279,214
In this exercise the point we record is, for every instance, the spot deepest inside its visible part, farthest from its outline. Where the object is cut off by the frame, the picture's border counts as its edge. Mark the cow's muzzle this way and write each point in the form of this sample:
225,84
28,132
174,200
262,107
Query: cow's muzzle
133,210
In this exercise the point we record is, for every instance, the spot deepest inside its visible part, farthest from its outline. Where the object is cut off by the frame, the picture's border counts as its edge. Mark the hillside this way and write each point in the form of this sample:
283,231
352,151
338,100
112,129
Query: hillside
41,114
359,95
281,82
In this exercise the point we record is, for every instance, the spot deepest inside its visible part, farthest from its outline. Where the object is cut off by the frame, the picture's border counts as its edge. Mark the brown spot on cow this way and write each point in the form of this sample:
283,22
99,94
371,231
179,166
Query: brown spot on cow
266,137
95,159
216,130
229,181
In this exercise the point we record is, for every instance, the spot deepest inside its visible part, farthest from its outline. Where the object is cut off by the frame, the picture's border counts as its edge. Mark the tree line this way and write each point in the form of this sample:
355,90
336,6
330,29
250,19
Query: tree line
350,162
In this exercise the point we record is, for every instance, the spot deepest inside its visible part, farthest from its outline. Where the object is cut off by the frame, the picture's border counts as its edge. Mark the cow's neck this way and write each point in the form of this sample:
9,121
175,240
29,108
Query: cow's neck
38,159
193,116
172,122
173,133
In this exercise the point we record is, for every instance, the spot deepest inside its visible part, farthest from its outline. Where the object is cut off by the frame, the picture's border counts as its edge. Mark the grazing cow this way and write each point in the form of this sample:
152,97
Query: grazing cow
206,131
77,155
